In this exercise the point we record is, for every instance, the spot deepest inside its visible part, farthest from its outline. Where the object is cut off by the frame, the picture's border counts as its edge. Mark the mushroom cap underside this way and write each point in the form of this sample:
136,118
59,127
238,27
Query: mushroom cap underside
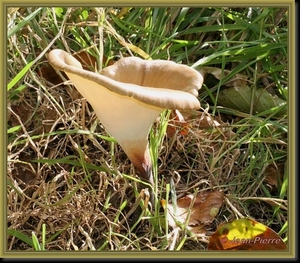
159,83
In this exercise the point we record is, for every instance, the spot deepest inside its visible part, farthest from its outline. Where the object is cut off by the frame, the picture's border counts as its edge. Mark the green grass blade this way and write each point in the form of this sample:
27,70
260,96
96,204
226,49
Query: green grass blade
20,236
35,241
19,75
24,22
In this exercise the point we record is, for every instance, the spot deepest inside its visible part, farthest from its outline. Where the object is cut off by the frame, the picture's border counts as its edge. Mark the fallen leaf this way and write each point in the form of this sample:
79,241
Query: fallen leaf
48,73
196,212
245,234
207,207
239,98
177,121
201,123
274,175
239,94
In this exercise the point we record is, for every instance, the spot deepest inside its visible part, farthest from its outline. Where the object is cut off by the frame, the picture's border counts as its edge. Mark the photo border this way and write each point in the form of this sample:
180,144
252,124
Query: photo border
292,197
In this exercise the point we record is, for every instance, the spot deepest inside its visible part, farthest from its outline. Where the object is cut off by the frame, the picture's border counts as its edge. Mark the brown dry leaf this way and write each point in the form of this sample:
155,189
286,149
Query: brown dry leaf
199,211
176,121
200,122
274,174
48,73
206,207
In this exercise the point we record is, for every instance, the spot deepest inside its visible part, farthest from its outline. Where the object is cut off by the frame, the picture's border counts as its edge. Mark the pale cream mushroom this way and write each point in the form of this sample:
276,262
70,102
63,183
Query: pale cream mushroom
129,95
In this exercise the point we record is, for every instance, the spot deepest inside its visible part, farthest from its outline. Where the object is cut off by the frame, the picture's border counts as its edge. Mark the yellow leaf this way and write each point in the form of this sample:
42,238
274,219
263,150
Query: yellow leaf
245,234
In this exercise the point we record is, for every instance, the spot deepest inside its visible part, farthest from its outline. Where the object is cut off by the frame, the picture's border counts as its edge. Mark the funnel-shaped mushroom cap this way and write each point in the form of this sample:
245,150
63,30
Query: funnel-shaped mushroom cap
129,95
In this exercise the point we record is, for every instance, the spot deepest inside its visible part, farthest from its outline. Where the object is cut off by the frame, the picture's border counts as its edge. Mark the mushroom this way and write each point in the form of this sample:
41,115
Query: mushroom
128,96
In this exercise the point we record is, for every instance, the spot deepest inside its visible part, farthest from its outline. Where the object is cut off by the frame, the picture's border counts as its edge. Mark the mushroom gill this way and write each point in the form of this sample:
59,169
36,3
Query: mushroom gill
128,96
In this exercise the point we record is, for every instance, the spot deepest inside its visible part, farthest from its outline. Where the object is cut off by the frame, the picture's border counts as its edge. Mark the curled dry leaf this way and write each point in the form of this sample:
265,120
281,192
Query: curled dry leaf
201,123
177,121
198,210
245,234
274,175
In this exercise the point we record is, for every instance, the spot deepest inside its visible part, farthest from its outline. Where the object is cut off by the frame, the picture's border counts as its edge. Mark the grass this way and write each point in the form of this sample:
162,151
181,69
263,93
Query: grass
71,185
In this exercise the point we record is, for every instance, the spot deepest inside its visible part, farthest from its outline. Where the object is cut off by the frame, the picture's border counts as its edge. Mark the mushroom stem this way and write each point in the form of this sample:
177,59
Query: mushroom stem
139,154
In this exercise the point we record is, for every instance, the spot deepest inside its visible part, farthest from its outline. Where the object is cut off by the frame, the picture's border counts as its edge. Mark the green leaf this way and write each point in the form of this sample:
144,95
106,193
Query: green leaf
20,236
13,129
19,75
16,91
35,241
239,98
23,22
59,11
